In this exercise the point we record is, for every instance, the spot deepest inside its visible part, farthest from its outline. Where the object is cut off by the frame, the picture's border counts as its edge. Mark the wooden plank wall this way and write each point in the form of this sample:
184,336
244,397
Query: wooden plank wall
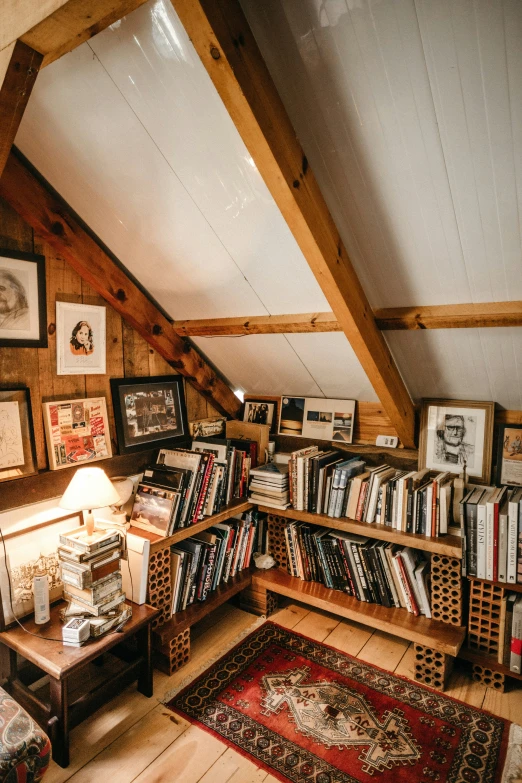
128,355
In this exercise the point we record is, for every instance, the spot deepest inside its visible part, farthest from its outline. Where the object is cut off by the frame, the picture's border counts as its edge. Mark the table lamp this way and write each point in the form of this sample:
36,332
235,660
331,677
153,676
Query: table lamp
89,488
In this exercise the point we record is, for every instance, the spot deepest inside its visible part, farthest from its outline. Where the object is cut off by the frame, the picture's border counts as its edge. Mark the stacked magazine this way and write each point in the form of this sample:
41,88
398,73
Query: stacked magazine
269,485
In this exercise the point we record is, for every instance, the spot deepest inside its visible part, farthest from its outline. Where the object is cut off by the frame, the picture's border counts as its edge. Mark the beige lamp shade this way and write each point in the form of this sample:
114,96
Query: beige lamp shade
89,488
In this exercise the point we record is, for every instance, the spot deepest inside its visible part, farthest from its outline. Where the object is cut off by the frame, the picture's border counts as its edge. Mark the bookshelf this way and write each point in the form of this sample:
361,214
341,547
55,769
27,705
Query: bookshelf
509,588
444,545
487,662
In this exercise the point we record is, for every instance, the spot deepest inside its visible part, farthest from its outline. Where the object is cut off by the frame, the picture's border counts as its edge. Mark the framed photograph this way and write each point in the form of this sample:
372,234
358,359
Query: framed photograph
153,509
292,416
77,432
23,315
213,427
317,417
262,410
455,433
80,339
17,448
149,411
27,551
509,455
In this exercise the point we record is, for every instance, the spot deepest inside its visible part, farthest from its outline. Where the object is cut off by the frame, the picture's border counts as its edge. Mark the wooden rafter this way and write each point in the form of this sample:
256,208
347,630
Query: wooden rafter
53,220
21,69
459,316
226,46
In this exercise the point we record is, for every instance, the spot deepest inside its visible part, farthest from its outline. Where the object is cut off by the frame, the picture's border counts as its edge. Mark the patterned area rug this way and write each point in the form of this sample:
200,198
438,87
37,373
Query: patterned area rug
308,713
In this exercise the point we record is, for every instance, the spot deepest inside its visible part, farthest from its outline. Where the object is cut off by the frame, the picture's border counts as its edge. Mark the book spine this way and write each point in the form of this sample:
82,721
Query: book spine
471,531
502,547
402,584
408,586
481,541
361,582
324,563
495,540
209,572
362,499
333,492
369,583
512,543
515,660
346,565
409,506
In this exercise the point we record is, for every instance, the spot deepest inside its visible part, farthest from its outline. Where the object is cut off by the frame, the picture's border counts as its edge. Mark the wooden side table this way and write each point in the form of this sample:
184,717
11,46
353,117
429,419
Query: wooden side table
58,716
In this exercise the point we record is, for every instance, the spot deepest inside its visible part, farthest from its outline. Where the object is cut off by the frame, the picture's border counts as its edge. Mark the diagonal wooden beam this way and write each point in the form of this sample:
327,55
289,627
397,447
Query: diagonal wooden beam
227,48
53,220
21,65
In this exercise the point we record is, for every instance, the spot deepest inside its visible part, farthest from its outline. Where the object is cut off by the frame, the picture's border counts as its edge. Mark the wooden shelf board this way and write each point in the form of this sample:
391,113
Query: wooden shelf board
515,588
445,545
431,633
487,661
162,542
200,609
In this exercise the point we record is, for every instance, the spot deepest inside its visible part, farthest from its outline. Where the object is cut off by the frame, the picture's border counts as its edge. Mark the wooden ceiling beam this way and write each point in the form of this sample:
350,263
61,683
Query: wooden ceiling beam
19,66
53,220
224,42
456,316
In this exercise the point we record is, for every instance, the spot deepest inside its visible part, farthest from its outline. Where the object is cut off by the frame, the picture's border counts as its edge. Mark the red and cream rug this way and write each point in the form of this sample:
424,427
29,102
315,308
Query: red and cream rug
308,713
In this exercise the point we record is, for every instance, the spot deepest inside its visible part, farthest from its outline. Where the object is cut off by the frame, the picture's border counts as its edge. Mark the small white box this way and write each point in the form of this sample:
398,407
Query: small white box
388,441
76,631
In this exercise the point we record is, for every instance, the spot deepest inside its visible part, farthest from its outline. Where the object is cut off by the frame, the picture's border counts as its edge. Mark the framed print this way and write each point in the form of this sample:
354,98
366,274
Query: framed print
80,339
153,509
23,314
509,455
213,427
149,411
77,432
17,448
27,551
262,410
317,417
455,433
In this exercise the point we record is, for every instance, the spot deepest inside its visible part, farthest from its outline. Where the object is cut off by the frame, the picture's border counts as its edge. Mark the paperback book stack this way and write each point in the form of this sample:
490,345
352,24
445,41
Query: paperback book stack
90,572
201,563
342,485
510,635
491,529
370,570
269,485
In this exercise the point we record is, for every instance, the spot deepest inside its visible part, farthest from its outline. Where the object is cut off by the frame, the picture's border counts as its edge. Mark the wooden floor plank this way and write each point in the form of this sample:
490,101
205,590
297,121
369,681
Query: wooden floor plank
186,760
349,637
231,767
130,754
317,625
383,650
506,705
289,616
405,666
461,686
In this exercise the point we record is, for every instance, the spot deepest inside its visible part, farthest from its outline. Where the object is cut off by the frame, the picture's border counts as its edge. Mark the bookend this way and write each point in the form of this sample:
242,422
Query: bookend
176,653
432,667
485,602
446,589
159,588
277,541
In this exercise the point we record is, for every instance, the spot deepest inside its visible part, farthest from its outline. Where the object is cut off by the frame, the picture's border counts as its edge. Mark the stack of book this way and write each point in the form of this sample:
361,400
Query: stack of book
201,563
269,485
90,572
491,529
510,635
373,571
339,484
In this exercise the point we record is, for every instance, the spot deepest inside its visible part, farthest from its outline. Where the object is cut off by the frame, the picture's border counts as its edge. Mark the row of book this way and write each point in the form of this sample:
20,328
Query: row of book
341,485
491,529
203,562
510,644
185,485
373,571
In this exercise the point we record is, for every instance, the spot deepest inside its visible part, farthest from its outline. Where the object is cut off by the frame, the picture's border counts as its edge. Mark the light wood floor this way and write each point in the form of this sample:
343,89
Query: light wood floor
137,739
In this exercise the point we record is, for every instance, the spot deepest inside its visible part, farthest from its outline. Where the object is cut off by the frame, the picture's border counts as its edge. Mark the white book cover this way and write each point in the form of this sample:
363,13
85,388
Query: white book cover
502,542
490,523
513,512
481,535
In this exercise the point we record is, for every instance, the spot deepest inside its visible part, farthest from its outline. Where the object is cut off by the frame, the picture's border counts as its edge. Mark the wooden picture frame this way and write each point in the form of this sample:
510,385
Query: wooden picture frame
508,470
24,551
454,432
149,411
274,403
77,432
17,446
23,302
80,339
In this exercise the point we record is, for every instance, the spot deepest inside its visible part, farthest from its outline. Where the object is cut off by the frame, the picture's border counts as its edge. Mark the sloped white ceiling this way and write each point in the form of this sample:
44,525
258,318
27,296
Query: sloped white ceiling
410,114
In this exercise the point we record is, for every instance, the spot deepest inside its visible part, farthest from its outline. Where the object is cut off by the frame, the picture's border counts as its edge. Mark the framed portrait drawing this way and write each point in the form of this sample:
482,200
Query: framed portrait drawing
77,432
26,551
80,339
509,455
23,315
262,410
455,433
17,449
149,411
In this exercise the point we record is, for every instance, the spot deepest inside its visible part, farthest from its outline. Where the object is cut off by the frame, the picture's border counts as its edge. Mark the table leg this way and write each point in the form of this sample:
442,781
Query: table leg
144,641
13,665
60,711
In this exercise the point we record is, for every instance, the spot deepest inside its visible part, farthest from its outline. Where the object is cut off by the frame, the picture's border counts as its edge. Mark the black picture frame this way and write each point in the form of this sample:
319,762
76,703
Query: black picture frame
508,468
41,340
127,415
29,467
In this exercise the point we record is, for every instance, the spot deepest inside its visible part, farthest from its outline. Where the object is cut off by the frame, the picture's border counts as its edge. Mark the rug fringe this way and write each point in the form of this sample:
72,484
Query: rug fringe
513,766
208,662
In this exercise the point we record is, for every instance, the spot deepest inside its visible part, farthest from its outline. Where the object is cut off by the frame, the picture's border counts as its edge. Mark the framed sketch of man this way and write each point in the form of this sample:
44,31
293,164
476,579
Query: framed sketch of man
80,339
457,433
23,317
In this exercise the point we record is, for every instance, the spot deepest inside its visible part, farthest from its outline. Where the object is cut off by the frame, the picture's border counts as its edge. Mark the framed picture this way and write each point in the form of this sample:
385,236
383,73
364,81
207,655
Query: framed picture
317,417
213,427
153,509
27,551
80,339
509,455
23,315
149,411
77,432
262,410
17,449
455,433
